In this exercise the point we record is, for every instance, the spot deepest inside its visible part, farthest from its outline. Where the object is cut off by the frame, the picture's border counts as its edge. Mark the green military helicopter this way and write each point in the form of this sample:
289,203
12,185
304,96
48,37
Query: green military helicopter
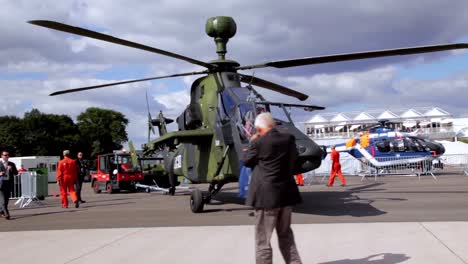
215,127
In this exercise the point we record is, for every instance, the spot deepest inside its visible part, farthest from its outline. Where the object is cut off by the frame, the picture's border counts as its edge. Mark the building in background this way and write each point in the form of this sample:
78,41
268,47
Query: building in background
428,122
42,164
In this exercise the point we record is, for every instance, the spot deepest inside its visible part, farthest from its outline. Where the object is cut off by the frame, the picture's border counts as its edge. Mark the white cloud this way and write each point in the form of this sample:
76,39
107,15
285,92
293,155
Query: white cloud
266,30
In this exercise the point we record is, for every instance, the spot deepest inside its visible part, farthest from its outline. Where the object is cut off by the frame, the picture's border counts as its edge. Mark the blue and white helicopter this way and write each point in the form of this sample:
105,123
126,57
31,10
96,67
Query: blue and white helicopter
384,147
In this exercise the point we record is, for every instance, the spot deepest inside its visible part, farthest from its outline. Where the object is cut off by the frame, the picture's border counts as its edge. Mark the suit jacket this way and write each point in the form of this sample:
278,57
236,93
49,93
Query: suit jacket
272,158
81,167
10,173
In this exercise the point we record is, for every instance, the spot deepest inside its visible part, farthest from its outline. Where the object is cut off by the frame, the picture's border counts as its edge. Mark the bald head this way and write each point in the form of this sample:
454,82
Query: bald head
66,153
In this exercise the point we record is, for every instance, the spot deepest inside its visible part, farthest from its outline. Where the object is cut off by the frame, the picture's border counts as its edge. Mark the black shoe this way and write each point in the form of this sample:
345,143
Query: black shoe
172,190
77,204
7,217
81,201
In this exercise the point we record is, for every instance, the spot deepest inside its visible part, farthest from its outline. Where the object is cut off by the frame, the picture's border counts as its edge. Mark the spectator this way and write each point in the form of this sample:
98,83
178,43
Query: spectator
7,172
82,170
273,190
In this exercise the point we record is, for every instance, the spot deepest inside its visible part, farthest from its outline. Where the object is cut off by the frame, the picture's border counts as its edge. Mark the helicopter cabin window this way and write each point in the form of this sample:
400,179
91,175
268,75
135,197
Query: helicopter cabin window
397,145
383,145
229,104
246,120
279,114
413,145
241,92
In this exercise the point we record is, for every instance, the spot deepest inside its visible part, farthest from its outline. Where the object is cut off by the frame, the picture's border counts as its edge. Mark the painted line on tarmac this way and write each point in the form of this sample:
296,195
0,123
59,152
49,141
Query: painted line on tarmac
441,242
105,245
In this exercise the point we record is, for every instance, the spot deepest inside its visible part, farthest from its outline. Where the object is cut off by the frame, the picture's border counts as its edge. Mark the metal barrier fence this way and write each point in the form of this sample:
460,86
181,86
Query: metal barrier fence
16,190
25,188
409,166
454,163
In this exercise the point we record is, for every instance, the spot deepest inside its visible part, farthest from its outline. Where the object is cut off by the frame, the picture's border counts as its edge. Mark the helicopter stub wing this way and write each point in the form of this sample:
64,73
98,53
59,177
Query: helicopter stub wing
185,136
355,56
272,86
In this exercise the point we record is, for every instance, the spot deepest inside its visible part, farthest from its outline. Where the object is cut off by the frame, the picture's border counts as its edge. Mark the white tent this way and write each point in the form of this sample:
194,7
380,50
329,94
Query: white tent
436,112
363,116
387,115
411,113
340,117
317,119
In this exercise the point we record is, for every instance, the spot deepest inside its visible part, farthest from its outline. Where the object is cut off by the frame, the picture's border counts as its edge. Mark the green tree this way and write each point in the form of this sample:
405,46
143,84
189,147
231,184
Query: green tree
11,135
102,129
48,134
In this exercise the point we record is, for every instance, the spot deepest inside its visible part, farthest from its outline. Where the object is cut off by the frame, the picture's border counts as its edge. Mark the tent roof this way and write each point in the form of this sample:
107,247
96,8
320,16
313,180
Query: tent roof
387,115
364,116
340,117
317,119
411,113
436,112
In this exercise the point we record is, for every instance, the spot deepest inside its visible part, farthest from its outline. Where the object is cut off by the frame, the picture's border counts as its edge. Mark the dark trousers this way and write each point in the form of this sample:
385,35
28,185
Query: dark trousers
5,191
78,185
266,220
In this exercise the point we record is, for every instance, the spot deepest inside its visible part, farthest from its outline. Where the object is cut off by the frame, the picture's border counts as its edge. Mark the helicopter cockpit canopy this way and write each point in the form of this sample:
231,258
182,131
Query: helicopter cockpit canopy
242,105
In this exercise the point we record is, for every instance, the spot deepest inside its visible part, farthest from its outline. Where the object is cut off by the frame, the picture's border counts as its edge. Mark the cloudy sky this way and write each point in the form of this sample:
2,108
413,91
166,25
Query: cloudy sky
36,61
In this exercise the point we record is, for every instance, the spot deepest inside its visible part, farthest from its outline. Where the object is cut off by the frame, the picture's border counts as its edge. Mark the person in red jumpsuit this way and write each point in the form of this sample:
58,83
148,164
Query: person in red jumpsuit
336,168
299,179
67,174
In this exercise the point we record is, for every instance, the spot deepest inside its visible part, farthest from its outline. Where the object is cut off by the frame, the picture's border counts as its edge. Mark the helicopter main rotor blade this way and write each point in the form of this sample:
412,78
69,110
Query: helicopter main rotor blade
272,86
355,56
123,82
96,35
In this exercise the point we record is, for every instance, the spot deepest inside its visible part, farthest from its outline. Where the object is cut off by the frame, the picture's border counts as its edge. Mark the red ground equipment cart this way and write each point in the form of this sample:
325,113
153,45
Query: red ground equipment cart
116,172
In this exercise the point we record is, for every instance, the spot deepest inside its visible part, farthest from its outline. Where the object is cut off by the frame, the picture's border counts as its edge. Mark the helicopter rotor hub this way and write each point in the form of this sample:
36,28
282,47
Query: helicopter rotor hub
221,28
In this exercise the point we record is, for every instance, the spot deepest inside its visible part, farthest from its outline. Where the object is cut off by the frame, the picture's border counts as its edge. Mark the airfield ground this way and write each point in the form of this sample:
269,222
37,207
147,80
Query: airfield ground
395,219
389,199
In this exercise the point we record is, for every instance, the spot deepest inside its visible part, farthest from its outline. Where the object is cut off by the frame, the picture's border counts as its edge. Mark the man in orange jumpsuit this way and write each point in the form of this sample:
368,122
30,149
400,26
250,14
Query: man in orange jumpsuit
67,174
336,168
299,179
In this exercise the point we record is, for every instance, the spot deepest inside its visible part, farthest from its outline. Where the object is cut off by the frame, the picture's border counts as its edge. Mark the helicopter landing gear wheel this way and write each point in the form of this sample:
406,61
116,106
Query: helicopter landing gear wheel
196,201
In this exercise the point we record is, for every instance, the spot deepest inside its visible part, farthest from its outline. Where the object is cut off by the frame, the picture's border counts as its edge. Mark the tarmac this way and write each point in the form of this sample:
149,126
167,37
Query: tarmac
392,220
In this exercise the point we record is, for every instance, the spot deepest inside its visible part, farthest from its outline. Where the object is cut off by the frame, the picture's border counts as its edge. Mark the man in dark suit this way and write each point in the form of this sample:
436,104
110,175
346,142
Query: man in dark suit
7,171
273,190
82,170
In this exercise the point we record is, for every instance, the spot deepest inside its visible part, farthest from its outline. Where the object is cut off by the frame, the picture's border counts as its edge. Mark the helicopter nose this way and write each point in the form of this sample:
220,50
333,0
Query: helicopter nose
310,156
440,149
